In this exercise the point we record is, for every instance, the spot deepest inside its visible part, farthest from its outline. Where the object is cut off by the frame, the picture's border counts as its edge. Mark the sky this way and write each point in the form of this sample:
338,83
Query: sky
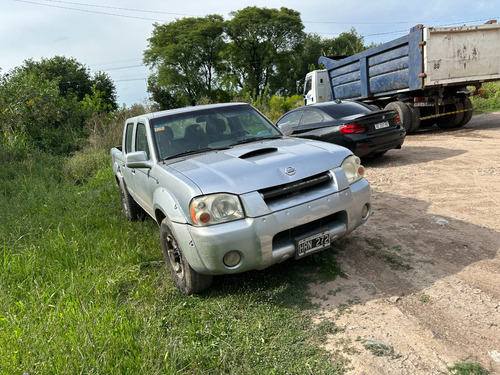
111,35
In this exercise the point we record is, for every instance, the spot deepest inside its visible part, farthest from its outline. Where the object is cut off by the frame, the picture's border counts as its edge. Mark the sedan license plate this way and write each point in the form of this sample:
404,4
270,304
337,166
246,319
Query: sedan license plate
381,125
310,244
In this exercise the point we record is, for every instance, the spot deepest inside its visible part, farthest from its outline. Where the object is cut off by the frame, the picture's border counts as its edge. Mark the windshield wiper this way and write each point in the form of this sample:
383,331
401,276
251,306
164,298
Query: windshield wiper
197,151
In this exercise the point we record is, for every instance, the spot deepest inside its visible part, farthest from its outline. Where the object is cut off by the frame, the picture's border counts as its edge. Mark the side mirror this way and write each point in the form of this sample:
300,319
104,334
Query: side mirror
138,159
286,128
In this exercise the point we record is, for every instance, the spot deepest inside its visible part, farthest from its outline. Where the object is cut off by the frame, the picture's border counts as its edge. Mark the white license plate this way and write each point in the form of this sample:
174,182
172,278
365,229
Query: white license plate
312,243
381,125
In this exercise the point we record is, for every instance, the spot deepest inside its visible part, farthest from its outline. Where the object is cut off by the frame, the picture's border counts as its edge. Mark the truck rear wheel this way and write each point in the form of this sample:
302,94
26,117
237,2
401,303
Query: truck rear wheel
186,279
415,119
452,120
131,209
404,113
468,112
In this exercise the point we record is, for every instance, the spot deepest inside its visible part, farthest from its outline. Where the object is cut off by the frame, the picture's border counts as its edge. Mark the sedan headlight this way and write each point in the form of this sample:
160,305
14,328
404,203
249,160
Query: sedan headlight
215,209
353,169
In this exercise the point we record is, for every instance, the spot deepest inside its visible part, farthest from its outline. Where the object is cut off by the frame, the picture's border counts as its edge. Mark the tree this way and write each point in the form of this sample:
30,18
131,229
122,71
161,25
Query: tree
73,78
45,105
185,54
105,88
347,43
35,115
262,41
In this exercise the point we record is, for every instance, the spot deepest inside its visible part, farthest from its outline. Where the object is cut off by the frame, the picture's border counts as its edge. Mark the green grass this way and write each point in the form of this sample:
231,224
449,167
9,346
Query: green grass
85,291
466,368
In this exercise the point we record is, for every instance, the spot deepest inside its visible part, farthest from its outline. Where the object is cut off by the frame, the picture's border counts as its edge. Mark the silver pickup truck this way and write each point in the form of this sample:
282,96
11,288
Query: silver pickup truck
231,193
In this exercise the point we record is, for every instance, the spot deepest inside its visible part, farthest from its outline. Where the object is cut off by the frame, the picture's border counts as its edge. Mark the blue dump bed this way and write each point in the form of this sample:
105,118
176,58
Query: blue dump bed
383,70
425,58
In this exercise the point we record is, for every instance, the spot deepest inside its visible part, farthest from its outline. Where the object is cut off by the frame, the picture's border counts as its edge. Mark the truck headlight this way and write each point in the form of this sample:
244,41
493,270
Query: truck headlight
215,209
353,169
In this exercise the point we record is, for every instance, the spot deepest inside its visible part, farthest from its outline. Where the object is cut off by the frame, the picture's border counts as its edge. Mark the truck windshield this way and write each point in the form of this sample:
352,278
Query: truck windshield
213,128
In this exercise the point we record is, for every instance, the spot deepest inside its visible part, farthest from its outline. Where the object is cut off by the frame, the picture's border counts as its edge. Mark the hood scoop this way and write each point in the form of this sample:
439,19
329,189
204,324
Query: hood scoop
258,152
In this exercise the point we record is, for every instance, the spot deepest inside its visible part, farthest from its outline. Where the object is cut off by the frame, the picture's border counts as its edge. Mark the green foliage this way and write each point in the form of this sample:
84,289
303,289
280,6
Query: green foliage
83,166
44,105
262,42
34,115
466,368
489,100
279,105
73,78
185,54
208,57
85,291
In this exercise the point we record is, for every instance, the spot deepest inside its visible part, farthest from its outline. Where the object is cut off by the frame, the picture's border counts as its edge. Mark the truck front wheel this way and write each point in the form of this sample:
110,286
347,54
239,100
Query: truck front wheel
186,279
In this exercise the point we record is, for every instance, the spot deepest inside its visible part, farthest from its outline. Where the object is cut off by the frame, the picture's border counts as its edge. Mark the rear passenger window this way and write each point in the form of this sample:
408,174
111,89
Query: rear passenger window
141,139
311,117
128,137
292,118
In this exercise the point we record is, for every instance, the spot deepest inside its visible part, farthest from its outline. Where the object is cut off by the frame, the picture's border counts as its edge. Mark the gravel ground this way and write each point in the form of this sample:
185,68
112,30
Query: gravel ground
422,286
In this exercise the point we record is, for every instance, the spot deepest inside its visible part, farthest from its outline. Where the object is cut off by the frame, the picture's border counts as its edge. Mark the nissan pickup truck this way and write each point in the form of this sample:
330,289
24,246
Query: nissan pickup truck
231,192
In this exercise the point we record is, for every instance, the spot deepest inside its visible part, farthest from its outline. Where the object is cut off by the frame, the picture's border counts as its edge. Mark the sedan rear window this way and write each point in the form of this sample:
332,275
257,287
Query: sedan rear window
345,109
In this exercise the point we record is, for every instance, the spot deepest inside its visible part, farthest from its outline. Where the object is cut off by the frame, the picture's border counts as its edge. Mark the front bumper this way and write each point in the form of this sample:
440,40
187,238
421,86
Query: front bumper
267,239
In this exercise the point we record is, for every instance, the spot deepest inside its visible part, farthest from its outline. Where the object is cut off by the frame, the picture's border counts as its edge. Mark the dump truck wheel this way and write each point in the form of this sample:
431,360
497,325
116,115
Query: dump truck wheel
468,114
404,113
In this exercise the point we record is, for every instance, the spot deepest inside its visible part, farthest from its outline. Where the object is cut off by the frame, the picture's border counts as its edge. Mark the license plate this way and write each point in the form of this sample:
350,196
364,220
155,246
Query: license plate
381,125
312,243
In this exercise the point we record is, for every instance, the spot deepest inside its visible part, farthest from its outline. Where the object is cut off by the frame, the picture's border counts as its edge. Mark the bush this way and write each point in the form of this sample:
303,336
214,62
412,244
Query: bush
276,106
85,165
490,99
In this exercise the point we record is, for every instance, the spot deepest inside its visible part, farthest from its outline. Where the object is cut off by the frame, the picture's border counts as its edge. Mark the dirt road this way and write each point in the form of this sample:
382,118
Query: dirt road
422,290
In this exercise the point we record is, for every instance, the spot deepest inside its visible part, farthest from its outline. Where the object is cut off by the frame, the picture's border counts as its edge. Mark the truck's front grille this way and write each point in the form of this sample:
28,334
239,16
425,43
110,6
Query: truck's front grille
296,187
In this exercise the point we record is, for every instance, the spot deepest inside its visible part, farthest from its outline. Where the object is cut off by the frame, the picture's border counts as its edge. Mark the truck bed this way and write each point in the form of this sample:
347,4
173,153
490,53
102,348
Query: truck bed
427,57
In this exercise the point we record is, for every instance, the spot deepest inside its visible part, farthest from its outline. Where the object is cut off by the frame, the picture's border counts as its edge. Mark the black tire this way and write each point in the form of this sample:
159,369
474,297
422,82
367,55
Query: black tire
131,209
452,120
415,119
427,123
404,113
186,279
468,112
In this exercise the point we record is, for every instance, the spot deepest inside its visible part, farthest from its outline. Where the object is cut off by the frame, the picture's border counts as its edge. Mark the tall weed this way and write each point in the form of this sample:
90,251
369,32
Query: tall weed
85,291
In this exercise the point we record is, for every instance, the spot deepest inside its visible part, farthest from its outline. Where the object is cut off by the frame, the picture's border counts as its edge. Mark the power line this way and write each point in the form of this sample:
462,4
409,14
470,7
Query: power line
119,8
91,11
197,15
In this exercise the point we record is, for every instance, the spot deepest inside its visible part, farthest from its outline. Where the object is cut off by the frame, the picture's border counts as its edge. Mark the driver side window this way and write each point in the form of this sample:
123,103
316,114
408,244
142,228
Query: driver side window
141,139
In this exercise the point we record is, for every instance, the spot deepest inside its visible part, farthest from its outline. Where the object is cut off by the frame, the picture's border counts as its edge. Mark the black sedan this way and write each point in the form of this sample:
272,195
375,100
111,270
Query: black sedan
365,130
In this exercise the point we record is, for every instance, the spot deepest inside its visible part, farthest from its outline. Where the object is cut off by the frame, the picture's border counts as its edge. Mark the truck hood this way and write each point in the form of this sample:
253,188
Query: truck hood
255,166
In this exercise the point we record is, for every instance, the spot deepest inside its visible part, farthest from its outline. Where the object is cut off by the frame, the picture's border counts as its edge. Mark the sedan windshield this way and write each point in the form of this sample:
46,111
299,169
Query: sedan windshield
210,129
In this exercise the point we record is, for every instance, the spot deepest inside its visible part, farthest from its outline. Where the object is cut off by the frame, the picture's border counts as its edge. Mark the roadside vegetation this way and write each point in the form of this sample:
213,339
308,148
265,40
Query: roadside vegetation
86,291
489,101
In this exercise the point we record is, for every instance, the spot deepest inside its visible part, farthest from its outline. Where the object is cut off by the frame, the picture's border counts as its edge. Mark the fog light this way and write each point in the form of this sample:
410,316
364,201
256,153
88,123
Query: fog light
232,258
366,210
